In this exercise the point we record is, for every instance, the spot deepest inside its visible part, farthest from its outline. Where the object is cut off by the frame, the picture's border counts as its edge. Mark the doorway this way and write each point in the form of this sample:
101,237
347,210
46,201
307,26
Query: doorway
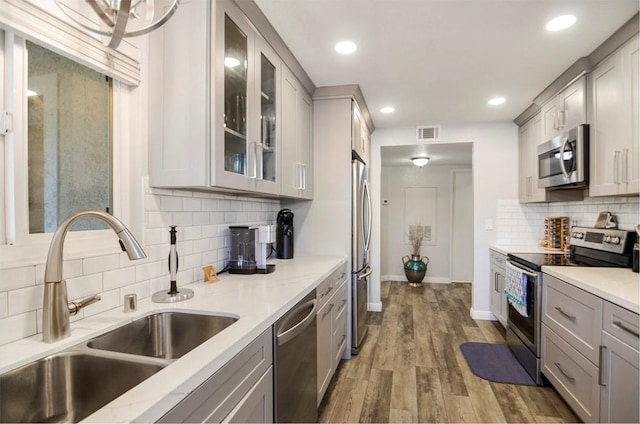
431,189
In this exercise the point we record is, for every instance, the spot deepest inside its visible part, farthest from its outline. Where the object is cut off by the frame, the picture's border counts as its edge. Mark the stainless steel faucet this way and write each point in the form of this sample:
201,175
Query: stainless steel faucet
56,308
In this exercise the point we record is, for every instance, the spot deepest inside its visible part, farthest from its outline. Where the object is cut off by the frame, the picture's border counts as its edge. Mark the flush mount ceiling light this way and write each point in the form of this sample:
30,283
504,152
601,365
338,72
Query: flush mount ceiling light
497,101
560,22
420,161
345,47
388,109
121,18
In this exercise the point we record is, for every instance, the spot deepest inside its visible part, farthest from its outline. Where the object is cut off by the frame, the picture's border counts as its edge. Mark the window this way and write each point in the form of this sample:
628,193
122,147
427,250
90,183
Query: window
69,140
67,150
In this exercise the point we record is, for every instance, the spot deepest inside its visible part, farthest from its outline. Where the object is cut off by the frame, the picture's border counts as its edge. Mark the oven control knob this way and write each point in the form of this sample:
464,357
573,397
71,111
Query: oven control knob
578,235
607,239
615,240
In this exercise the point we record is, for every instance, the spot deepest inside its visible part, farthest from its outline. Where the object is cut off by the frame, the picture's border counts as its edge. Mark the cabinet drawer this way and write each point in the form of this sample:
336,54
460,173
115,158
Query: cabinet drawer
622,324
326,288
214,399
498,259
572,375
573,314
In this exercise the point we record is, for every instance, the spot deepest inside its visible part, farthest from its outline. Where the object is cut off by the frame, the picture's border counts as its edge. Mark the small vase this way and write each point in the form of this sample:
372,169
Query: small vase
415,269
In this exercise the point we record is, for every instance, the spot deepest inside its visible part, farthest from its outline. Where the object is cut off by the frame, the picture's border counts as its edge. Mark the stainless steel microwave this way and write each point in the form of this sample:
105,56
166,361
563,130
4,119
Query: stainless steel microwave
563,161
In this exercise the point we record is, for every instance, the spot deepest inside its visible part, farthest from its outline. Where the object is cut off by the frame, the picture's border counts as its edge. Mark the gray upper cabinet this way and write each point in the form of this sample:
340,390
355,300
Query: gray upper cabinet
614,137
566,110
297,138
529,137
216,105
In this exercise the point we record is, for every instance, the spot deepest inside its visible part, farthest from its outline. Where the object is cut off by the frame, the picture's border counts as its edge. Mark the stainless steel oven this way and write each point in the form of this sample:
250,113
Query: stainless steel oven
523,333
563,161
601,247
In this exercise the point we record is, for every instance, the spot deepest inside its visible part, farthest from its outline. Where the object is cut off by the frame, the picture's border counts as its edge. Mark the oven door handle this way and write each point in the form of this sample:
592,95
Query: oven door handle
529,273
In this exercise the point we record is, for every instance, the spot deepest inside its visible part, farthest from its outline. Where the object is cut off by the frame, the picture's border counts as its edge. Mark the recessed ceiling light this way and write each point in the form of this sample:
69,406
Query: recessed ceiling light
560,22
345,47
388,109
497,101
231,62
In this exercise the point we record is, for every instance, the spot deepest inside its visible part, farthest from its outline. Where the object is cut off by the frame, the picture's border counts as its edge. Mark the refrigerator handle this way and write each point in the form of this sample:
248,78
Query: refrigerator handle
367,198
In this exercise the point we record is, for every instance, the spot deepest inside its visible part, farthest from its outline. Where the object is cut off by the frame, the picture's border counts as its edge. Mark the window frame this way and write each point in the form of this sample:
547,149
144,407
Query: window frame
17,246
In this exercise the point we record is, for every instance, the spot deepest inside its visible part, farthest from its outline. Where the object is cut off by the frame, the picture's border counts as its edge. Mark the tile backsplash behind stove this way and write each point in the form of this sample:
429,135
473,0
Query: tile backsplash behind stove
523,224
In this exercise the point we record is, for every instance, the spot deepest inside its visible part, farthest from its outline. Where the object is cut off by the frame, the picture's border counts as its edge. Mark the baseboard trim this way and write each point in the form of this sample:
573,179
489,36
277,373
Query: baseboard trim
374,306
427,279
482,315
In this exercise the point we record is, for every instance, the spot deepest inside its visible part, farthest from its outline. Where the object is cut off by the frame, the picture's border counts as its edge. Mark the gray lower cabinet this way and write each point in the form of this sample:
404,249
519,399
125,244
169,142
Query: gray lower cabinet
620,360
332,329
240,391
498,298
590,353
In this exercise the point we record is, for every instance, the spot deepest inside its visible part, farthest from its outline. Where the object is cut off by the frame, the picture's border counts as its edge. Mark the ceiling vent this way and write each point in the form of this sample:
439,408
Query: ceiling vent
429,133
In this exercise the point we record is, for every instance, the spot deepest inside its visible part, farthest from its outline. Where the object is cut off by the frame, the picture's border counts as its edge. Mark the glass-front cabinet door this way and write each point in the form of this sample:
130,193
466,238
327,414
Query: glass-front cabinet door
266,145
236,74
245,142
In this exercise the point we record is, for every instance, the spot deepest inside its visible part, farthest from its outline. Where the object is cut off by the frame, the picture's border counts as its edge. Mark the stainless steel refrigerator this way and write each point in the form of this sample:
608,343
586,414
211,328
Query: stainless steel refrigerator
360,242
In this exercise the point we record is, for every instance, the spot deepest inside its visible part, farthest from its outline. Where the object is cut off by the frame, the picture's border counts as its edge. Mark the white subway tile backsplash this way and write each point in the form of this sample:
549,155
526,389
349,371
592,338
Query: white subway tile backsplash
16,278
171,204
84,286
192,204
119,278
201,218
151,270
158,219
17,327
25,300
182,218
100,263
523,224
4,305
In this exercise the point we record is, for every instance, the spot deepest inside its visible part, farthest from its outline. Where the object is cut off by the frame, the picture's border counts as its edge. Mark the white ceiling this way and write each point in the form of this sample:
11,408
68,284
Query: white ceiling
439,61
450,154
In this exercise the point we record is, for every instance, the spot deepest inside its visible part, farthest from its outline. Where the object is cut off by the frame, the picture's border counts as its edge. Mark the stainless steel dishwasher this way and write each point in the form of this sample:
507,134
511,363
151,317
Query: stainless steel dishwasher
295,361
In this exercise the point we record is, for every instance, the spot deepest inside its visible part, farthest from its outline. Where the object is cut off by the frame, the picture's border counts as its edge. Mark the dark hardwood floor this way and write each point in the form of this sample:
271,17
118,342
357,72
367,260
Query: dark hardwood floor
410,368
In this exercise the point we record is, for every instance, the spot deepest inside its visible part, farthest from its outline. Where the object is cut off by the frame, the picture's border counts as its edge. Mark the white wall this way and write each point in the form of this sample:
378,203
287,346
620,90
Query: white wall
495,177
393,230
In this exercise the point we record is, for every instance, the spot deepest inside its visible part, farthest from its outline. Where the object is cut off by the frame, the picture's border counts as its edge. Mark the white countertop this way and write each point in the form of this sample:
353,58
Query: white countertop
258,301
617,285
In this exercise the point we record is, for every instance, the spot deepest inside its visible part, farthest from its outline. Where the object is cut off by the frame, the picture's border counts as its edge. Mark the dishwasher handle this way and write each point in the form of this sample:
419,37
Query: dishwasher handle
286,336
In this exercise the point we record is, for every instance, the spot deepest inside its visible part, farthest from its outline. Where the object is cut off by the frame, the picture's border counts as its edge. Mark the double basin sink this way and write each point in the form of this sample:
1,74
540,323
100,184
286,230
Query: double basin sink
71,385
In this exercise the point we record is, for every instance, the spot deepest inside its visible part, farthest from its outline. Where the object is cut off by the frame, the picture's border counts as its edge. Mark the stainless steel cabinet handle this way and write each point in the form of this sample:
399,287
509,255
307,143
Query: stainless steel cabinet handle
327,291
495,281
328,310
623,327
564,314
601,367
616,167
562,118
571,379
625,166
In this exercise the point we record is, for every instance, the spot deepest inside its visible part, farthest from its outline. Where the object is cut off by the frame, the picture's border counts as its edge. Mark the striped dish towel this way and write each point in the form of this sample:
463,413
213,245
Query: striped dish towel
516,289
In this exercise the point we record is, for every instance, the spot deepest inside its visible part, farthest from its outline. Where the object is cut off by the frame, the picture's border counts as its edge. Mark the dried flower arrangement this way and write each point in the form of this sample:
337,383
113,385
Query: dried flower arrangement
416,236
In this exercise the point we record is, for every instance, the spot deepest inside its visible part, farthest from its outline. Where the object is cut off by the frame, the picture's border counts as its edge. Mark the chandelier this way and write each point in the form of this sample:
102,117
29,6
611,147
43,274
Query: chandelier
123,18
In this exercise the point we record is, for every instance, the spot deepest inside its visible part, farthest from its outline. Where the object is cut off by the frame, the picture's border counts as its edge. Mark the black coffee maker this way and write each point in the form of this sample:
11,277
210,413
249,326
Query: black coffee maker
284,234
